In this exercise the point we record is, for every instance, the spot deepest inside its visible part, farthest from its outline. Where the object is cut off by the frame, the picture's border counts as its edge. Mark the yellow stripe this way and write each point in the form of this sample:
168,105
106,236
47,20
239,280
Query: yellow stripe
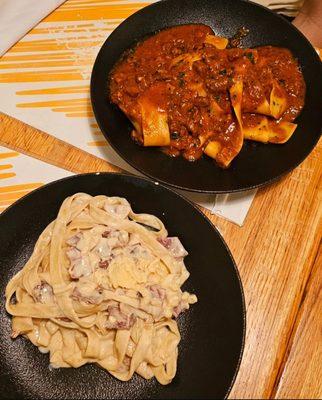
8,57
24,186
72,109
46,64
7,175
8,155
98,143
53,31
94,13
13,195
43,76
28,43
46,42
57,90
54,103
5,166
54,46
86,2
80,115
37,31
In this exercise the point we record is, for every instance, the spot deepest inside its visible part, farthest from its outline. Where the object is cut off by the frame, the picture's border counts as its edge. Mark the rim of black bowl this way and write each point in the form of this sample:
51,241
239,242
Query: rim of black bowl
174,185
199,212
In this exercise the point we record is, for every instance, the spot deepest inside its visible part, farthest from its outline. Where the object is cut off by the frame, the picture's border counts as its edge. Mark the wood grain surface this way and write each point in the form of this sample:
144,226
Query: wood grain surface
276,253
302,373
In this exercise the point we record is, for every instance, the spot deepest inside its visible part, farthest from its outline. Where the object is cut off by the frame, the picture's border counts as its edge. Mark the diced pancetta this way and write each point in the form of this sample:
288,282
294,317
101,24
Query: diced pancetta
43,293
157,292
175,247
118,319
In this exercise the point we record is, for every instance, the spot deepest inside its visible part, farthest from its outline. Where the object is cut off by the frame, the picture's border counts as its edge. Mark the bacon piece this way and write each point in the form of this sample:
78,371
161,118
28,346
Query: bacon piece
87,296
103,248
116,238
73,254
175,247
80,267
43,293
138,251
157,292
104,264
179,309
73,240
118,319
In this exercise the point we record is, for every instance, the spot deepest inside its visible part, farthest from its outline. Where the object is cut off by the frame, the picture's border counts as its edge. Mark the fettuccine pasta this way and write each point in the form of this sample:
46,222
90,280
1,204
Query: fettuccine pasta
103,285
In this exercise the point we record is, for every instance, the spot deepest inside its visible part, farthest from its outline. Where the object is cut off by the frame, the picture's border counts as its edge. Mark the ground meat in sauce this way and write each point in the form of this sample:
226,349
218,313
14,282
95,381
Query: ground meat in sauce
193,85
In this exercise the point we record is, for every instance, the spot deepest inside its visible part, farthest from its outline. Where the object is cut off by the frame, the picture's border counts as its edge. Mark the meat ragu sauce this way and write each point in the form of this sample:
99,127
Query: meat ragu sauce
185,91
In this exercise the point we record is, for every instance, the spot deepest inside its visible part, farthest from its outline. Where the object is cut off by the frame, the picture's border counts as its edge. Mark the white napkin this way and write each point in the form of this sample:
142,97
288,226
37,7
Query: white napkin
17,17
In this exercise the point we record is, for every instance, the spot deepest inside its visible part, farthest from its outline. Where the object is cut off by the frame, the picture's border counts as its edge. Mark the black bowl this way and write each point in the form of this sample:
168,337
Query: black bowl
257,164
212,330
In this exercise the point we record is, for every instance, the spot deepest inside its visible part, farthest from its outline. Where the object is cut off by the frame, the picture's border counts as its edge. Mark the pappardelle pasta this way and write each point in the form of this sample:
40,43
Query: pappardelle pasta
103,285
191,93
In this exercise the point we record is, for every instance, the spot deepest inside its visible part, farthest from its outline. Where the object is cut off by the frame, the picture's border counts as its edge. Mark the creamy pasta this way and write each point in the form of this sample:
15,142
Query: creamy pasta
103,285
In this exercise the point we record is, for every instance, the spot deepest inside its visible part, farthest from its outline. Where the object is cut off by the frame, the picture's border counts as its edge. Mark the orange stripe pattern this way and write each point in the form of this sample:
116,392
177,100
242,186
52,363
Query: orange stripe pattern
62,49
10,193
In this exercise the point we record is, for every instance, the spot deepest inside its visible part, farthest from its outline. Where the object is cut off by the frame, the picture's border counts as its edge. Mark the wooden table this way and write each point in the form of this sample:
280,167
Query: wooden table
277,253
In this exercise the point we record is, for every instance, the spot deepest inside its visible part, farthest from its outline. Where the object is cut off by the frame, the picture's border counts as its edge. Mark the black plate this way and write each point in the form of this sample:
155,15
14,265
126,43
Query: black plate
257,164
212,330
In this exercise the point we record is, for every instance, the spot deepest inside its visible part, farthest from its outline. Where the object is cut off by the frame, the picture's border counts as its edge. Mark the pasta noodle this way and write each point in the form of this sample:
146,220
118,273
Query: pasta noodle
103,285
192,92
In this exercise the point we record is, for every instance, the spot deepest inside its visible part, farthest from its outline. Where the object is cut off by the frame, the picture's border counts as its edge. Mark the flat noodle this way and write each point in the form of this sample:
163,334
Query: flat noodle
217,41
103,285
278,101
155,127
280,132
212,149
187,59
265,130
263,108
236,96
184,90
258,131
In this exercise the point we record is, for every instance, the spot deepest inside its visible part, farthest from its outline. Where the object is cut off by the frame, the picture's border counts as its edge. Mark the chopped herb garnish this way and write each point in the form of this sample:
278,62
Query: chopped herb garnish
181,82
250,56
217,97
223,72
181,75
